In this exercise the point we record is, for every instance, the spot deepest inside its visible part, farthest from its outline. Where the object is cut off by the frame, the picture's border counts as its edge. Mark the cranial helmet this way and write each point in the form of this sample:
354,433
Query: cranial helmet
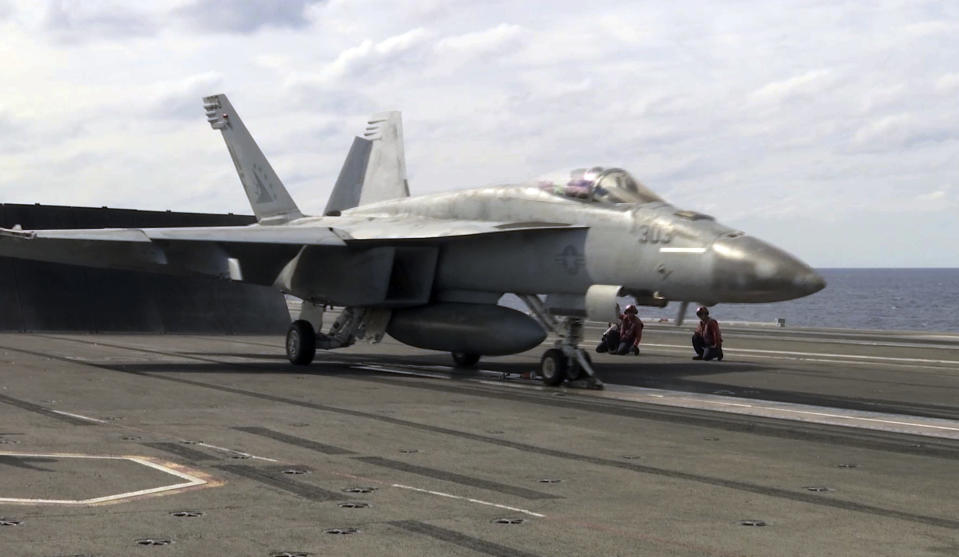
702,310
631,309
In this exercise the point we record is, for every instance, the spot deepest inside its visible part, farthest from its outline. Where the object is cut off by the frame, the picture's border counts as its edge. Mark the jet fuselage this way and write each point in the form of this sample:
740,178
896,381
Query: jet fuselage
652,249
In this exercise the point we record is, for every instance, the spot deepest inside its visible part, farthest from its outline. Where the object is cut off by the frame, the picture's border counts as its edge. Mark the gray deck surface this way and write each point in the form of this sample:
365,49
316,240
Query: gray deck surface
449,455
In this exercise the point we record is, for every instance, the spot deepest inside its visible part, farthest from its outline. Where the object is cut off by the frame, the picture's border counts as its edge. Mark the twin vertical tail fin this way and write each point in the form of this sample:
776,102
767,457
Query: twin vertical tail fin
375,168
270,201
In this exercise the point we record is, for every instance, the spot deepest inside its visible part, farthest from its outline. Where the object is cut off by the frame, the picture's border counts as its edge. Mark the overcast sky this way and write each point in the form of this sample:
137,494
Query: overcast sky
829,128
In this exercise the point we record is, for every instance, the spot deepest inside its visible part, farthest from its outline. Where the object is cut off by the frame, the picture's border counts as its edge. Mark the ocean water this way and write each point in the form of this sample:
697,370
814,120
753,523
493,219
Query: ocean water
887,299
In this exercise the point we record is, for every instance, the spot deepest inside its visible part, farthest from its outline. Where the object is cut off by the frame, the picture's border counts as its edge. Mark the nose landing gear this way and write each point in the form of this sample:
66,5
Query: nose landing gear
566,360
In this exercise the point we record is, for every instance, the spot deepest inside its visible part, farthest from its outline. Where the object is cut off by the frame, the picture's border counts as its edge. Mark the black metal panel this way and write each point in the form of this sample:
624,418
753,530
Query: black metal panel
123,301
53,297
47,296
10,316
251,308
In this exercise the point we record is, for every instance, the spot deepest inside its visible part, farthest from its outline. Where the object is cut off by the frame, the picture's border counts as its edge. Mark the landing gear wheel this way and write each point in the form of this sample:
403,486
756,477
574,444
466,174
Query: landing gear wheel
300,343
553,367
465,359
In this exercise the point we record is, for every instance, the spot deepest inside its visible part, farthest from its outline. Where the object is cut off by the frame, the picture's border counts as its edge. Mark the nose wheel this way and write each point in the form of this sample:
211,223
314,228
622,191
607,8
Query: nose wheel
552,367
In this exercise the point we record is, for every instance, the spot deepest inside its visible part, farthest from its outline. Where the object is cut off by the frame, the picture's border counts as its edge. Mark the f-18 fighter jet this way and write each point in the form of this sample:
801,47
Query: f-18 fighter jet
429,270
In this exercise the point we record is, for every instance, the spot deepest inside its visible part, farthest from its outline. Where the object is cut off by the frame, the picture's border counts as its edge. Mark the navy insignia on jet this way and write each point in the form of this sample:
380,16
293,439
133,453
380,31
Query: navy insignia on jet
263,193
571,260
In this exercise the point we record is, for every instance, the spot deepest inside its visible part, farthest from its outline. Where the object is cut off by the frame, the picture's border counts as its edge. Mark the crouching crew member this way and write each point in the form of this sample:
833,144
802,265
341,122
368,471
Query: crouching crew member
707,340
630,332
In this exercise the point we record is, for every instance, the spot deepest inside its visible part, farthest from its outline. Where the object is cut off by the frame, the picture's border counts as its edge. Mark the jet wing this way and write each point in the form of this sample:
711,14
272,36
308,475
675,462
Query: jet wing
380,229
216,251
298,235
264,254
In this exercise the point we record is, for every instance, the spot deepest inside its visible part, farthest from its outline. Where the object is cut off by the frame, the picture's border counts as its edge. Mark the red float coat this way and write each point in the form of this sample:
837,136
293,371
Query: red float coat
631,330
709,329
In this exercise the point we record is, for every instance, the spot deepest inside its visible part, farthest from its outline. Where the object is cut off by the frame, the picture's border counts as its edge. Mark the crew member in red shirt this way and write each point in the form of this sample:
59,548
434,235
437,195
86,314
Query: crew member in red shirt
707,340
630,332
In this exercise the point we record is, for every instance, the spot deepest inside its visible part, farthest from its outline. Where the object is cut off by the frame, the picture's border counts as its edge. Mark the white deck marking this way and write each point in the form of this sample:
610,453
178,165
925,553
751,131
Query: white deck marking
191,481
469,499
901,423
236,452
80,417
916,425
844,357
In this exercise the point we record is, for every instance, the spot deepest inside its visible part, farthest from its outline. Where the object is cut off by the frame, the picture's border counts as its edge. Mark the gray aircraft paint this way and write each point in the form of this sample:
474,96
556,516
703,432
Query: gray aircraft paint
268,197
375,168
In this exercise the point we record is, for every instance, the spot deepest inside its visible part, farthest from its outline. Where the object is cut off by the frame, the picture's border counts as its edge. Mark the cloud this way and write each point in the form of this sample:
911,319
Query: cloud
97,19
803,86
370,55
900,131
481,42
932,28
245,16
382,58
784,110
932,196
948,83
90,20
180,99
12,133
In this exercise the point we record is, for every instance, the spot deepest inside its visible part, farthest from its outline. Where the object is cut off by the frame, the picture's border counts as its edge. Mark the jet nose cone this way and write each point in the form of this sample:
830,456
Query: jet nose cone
749,270
810,282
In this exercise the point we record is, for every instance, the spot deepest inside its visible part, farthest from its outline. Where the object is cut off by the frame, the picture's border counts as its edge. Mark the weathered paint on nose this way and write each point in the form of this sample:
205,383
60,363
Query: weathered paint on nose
747,270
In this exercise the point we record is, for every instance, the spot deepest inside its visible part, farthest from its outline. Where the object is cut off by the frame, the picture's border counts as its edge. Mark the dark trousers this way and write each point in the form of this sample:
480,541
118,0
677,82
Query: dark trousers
609,343
625,346
704,351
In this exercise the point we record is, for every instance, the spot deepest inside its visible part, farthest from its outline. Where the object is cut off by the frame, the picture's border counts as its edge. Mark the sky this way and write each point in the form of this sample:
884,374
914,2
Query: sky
829,128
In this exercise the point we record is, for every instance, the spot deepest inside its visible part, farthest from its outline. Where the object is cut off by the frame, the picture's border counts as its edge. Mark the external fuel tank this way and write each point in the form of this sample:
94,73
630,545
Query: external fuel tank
483,329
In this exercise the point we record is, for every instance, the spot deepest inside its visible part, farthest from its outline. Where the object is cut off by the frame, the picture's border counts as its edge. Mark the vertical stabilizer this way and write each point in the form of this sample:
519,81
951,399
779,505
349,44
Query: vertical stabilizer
375,168
268,197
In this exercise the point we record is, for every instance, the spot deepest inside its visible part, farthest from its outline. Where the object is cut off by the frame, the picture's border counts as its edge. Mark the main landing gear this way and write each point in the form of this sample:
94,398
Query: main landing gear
303,337
300,342
566,361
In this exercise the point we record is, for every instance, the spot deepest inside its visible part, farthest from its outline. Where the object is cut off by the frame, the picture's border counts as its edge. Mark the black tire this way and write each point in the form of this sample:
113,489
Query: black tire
552,367
300,343
465,359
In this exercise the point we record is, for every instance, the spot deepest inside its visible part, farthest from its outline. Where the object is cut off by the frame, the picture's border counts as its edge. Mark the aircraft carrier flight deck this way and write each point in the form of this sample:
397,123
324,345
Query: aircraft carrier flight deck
801,442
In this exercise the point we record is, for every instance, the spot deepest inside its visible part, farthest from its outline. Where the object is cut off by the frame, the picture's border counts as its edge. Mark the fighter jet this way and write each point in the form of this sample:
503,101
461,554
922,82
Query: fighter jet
429,270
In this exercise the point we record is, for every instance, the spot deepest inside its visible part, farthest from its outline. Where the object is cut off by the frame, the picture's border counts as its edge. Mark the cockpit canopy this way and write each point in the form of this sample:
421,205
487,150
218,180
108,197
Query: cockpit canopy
597,185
